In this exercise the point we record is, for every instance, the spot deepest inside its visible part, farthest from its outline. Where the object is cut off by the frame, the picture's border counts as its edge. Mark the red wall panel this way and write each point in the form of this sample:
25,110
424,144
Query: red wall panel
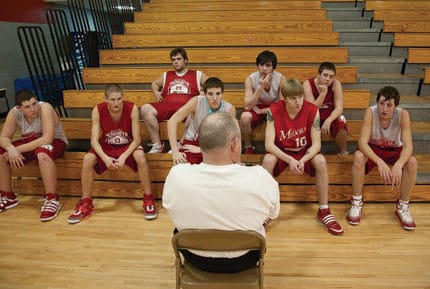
27,11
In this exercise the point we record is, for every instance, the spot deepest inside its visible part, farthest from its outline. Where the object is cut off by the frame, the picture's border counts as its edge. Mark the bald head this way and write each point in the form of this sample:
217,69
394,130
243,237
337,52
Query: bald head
217,131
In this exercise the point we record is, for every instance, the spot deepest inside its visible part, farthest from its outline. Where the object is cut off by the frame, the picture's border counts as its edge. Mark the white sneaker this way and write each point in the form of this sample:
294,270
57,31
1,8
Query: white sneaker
156,148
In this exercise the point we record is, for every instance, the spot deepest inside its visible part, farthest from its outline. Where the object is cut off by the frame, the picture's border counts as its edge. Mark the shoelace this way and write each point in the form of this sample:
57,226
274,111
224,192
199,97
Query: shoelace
49,205
355,210
406,215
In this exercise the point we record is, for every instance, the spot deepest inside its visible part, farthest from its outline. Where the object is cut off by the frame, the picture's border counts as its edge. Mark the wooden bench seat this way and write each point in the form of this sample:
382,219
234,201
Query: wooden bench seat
227,40
399,15
397,5
406,25
80,128
124,183
427,75
239,15
352,99
231,26
228,74
225,55
231,5
419,55
412,39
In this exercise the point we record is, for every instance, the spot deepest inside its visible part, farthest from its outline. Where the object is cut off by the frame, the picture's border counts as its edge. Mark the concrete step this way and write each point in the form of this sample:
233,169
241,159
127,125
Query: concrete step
377,64
342,23
364,35
333,13
342,5
406,84
374,48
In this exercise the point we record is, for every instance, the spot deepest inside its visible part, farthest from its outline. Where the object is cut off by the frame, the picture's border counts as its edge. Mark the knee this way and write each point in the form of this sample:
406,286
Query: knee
89,161
139,157
147,111
319,162
411,165
245,118
43,157
359,159
269,162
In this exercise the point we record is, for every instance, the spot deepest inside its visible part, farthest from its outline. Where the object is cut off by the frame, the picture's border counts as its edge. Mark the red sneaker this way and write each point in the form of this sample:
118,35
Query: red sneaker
249,150
8,200
50,208
149,206
84,208
326,218
402,212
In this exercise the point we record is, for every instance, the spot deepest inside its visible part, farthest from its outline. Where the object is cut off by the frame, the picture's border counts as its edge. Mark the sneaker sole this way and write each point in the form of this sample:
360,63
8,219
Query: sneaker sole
11,206
354,223
151,217
53,217
331,231
75,221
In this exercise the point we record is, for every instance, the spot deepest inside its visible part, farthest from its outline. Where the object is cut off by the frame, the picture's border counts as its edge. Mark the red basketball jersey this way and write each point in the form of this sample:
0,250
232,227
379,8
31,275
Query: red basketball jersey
293,134
115,133
180,87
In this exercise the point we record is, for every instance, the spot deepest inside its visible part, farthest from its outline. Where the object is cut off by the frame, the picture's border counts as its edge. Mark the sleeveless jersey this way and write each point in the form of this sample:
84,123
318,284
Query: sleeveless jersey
273,94
389,137
181,87
293,134
115,133
328,104
34,130
202,110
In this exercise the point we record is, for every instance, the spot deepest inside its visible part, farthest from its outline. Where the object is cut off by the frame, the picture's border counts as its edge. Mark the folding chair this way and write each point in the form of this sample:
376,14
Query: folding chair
188,276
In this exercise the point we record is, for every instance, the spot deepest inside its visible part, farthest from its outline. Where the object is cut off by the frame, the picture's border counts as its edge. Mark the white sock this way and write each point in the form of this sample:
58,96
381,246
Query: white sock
403,203
357,199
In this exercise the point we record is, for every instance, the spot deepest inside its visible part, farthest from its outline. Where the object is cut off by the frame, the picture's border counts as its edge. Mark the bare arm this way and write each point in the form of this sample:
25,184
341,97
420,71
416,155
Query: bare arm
172,125
8,130
309,96
407,144
156,88
96,134
364,137
251,96
283,79
407,149
315,148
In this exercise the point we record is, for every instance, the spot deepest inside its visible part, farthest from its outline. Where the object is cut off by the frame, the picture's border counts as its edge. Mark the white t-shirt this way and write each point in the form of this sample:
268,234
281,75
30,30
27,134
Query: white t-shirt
229,197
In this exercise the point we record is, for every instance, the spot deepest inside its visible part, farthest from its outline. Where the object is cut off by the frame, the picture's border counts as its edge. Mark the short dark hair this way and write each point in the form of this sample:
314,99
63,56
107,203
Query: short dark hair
112,88
179,50
389,92
327,66
23,95
213,82
217,130
266,57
